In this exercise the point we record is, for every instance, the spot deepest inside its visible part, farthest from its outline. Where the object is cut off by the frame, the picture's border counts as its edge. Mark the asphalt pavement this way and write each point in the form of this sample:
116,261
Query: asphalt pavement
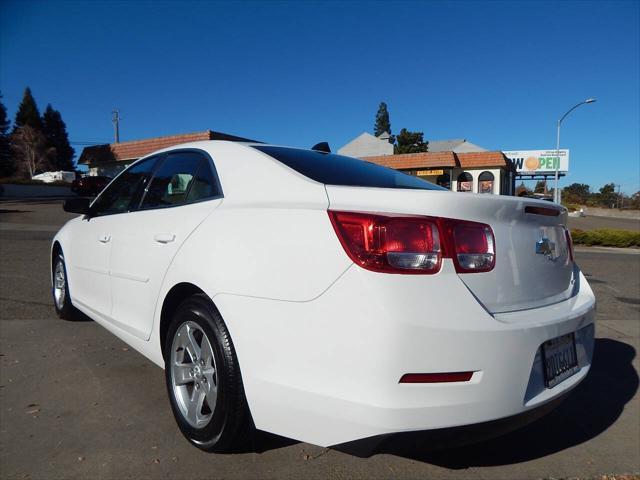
76,402
594,223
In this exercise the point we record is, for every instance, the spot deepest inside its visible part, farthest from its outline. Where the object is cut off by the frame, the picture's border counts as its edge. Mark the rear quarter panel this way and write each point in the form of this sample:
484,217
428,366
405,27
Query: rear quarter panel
270,238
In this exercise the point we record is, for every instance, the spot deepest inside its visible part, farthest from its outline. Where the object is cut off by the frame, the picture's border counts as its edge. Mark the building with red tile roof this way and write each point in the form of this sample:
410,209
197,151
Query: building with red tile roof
109,159
477,172
456,164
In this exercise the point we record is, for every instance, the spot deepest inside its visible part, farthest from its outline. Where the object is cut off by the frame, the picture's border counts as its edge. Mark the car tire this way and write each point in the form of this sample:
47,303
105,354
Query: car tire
203,378
60,290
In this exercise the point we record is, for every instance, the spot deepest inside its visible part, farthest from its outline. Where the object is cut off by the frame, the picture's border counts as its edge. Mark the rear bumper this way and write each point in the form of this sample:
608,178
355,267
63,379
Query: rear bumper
447,438
327,371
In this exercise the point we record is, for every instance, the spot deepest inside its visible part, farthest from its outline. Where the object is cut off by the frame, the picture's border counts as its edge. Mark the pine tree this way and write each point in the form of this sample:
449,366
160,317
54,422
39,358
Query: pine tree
55,131
7,166
541,186
410,142
383,124
28,113
522,190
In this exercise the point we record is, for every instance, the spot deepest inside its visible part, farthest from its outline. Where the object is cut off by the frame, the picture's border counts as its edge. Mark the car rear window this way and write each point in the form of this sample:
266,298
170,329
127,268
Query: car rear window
332,169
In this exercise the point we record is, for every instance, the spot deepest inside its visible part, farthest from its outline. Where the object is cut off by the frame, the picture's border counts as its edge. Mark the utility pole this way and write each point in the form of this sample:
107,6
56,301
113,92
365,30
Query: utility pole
619,200
115,119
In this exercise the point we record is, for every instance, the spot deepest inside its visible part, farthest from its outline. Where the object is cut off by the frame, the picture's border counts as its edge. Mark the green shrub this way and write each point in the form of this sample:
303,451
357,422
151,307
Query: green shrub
607,237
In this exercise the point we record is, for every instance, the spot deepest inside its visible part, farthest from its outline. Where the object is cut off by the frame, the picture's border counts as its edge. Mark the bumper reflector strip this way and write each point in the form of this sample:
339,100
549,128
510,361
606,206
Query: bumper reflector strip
436,377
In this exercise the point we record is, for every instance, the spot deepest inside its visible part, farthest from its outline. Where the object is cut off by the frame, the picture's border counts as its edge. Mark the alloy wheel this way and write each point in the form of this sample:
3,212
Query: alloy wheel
193,374
59,285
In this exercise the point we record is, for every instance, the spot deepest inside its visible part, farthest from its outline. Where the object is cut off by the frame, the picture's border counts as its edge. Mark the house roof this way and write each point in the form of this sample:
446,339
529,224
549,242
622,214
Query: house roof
456,145
135,149
483,159
443,159
367,144
415,160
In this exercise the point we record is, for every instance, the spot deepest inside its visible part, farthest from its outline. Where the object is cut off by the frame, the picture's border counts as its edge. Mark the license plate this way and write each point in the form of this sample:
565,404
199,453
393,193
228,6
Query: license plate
560,359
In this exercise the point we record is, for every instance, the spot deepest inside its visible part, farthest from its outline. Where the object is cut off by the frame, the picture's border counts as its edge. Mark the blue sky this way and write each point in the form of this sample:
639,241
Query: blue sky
498,74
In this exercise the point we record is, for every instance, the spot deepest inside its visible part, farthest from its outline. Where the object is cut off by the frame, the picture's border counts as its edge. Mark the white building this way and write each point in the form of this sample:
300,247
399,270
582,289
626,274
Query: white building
456,164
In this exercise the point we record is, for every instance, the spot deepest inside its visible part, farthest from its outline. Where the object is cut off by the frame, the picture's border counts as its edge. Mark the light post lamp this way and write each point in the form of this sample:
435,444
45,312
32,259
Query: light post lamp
556,192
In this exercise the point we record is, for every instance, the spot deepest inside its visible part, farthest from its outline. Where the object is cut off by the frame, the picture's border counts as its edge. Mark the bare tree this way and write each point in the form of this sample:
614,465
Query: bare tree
30,147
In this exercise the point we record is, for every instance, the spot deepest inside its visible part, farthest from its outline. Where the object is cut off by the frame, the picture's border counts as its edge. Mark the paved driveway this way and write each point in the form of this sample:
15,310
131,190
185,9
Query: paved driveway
75,402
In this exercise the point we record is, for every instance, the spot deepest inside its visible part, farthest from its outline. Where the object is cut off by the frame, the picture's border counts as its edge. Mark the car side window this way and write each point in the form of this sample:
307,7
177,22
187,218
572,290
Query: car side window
180,179
124,193
204,184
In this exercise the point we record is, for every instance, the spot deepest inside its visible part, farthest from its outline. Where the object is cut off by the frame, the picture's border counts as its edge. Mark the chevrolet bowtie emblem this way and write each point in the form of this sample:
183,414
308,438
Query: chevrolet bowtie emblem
546,247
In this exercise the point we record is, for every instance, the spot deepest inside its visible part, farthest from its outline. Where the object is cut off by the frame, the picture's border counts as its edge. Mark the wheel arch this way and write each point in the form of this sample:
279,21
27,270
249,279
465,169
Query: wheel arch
174,297
56,249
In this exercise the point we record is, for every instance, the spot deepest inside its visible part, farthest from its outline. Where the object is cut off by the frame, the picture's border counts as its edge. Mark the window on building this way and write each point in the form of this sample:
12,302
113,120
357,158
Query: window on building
444,181
485,182
465,182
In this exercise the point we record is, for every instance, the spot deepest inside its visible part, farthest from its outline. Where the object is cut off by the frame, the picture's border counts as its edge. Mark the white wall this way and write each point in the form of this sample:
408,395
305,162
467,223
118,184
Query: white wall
475,173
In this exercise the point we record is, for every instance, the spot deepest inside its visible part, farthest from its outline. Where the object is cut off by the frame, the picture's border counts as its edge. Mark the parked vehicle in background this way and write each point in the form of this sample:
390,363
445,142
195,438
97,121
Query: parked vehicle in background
326,298
90,185
59,176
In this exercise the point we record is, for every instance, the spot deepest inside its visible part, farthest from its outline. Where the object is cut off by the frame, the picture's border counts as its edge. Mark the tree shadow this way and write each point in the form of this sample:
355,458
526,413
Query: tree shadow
2,210
34,200
629,300
588,411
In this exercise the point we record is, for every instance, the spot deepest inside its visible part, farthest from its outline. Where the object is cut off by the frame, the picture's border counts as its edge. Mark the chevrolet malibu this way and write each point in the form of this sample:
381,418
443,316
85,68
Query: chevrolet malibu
325,298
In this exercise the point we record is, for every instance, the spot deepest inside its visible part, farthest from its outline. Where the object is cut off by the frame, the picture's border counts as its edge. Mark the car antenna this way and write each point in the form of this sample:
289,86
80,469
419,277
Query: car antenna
321,147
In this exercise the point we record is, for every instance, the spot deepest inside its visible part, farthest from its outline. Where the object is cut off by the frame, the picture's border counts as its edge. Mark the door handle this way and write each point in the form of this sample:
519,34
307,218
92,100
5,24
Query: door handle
164,237
104,238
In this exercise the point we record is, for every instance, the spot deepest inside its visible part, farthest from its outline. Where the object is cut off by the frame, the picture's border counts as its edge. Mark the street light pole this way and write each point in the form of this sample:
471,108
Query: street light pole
556,192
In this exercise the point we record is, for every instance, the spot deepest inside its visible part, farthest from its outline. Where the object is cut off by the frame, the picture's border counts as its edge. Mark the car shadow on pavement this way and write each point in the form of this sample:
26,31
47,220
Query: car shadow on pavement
78,316
587,412
262,442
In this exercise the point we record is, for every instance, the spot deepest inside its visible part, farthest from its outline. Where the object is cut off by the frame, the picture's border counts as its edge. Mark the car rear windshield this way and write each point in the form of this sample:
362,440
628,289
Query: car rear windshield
332,169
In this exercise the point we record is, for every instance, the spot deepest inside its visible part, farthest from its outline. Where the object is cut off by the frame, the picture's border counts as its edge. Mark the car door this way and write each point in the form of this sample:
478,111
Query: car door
91,241
89,283
184,189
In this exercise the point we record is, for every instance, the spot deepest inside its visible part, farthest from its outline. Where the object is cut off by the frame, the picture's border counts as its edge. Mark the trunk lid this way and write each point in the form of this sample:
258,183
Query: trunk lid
533,267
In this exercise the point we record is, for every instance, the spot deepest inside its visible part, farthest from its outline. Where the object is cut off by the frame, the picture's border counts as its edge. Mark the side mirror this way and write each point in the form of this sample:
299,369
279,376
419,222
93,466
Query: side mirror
77,205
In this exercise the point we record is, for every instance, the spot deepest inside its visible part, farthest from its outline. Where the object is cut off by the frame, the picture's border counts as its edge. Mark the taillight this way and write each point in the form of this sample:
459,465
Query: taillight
391,244
471,245
413,244
567,236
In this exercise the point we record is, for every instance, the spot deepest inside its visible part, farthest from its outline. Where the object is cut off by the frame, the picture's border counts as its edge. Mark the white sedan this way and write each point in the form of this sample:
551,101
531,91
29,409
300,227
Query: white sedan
325,298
